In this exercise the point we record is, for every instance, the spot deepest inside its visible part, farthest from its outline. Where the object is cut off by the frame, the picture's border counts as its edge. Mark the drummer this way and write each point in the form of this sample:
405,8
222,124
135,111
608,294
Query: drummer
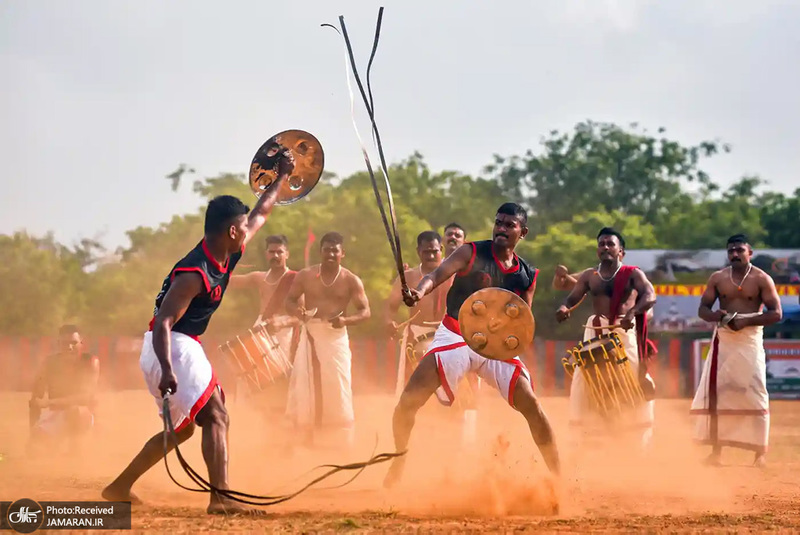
621,295
273,286
475,265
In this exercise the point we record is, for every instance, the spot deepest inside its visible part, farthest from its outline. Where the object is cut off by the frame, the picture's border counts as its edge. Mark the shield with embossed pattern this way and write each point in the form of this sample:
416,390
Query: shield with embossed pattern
496,324
309,161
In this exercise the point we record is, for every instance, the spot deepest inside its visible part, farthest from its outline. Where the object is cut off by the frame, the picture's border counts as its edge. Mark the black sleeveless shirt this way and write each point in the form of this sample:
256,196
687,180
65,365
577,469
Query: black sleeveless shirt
215,278
484,271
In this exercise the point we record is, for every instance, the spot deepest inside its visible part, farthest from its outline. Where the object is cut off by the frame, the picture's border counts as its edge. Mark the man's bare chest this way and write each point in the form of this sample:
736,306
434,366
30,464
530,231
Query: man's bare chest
602,288
729,291
338,291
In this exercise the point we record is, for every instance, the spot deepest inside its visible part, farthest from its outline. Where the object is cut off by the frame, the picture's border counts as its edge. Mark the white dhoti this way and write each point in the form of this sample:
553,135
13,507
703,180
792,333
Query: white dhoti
284,337
583,413
320,388
731,404
195,377
413,346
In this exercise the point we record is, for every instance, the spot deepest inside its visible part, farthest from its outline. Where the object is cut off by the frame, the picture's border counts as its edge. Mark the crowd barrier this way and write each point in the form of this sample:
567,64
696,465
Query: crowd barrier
374,364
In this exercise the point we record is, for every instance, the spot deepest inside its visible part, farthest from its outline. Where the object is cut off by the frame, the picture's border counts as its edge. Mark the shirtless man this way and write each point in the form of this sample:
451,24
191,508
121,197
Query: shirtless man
454,237
424,317
64,393
320,390
273,286
174,362
731,404
620,295
476,265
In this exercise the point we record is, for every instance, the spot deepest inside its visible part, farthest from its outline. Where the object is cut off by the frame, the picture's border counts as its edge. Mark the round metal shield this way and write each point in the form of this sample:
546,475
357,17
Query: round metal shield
309,161
496,324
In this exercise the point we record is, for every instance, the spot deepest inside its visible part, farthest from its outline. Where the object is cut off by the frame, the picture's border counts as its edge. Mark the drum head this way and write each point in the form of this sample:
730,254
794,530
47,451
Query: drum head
309,161
496,324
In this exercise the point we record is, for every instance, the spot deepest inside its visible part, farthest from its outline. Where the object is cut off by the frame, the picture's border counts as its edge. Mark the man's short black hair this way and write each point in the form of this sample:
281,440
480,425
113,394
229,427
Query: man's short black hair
334,238
222,211
279,239
428,235
608,231
455,225
68,329
738,238
512,208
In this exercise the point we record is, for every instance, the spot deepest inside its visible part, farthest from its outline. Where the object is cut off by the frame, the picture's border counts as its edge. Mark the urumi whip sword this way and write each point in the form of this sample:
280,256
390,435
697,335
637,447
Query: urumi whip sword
390,222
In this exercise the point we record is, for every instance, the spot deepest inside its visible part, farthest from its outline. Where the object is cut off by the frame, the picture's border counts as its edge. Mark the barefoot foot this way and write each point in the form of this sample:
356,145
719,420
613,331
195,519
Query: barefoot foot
395,472
228,507
760,461
114,493
712,460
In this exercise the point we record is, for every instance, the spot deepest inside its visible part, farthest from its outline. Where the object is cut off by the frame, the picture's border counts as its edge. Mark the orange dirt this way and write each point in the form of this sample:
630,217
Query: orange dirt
499,485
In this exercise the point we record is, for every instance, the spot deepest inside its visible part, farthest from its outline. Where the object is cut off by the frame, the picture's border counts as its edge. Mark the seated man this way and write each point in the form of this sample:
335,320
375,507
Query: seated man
69,380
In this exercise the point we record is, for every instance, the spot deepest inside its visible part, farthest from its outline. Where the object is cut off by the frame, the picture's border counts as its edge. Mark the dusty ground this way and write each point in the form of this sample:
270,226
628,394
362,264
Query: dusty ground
446,488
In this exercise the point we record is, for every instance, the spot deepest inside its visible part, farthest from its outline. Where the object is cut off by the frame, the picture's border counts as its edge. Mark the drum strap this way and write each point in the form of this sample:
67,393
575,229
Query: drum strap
275,302
254,499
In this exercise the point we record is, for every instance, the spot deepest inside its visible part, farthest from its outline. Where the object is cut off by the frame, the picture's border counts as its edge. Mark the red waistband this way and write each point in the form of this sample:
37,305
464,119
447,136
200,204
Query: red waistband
451,324
193,337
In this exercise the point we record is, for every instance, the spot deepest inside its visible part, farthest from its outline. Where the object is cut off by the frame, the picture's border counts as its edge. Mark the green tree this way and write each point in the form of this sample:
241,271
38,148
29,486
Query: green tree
39,279
780,217
602,166
710,221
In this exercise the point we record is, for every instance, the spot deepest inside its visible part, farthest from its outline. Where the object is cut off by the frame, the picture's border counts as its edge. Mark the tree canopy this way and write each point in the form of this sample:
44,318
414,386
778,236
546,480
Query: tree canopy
651,188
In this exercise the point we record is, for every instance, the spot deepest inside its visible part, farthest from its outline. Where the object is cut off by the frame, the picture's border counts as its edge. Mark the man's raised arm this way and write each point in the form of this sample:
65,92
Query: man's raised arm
258,215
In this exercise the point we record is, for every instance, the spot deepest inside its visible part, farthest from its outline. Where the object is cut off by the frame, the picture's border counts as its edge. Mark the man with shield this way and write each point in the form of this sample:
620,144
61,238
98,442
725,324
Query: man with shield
172,359
477,266
620,294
